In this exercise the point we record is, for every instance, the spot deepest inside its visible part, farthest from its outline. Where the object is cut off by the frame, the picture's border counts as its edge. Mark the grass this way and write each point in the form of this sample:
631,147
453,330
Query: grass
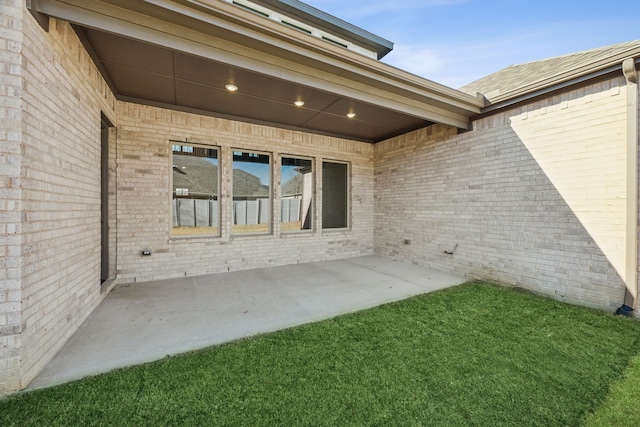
474,355
621,407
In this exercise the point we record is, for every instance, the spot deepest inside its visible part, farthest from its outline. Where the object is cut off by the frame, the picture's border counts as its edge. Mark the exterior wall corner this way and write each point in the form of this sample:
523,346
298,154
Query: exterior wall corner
11,180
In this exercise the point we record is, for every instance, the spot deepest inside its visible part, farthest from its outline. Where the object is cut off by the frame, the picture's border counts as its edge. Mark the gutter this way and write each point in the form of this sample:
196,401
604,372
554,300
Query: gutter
631,270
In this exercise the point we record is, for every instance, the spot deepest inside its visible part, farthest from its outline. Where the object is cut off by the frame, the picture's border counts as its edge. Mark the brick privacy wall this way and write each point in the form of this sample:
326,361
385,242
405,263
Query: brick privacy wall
11,39
143,197
516,198
62,97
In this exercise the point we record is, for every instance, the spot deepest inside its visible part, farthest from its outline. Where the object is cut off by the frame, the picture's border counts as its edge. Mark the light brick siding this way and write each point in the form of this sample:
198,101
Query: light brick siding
54,158
533,197
11,40
143,198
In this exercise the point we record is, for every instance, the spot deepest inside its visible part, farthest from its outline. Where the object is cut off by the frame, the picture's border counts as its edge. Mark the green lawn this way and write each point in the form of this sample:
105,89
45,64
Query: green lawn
474,355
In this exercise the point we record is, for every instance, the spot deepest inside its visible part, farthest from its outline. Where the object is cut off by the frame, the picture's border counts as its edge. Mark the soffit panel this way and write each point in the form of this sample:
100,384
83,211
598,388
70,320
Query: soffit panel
216,75
124,51
136,83
145,72
224,103
371,114
350,128
360,129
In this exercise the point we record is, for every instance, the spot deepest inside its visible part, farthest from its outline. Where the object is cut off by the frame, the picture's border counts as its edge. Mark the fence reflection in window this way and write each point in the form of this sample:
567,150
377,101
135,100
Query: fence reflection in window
251,193
296,204
195,202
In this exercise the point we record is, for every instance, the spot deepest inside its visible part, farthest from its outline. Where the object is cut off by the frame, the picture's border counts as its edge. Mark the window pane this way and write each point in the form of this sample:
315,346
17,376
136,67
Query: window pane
195,191
335,195
251,192
296,205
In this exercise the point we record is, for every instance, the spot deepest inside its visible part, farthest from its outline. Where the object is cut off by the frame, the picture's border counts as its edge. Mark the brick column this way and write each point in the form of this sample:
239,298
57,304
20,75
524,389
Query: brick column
11,36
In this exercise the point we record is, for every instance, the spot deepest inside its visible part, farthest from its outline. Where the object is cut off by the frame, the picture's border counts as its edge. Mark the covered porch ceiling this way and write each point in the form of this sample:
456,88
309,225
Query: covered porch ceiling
181,54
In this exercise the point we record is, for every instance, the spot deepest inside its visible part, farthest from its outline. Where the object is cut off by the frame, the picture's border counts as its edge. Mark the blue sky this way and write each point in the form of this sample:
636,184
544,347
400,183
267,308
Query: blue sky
455,42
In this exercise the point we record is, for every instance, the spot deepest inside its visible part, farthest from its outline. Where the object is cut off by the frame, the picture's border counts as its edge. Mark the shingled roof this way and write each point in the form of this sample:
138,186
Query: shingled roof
517,80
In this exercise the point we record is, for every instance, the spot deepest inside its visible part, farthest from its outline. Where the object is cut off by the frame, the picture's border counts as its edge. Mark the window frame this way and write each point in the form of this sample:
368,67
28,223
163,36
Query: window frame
348,200
218,227
271,218
314,201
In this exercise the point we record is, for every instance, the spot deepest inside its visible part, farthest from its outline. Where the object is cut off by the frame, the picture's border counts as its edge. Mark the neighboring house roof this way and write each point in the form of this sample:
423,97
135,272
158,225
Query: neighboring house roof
293,186
199,175
246,185
516,81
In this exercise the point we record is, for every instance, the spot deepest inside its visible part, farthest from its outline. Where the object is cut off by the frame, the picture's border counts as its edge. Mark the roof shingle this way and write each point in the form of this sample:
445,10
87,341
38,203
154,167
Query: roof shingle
517,78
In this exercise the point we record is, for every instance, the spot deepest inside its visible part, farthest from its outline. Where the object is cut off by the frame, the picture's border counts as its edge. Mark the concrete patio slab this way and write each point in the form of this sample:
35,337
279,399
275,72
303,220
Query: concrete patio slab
143,322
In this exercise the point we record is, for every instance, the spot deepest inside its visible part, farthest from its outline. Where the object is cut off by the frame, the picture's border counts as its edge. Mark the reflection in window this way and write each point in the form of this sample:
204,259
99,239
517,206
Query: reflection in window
335,195
297,194
195,190
251,192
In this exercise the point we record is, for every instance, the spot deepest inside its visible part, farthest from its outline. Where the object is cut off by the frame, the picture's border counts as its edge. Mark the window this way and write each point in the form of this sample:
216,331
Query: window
251,192
296,203
195,190
335,195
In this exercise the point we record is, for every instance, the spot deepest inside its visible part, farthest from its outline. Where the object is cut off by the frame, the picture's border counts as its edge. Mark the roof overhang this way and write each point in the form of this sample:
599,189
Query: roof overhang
180,54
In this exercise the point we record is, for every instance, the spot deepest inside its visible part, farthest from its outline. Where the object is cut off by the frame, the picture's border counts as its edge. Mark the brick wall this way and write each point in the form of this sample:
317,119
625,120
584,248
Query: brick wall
11,40
57,144
143,197
533,197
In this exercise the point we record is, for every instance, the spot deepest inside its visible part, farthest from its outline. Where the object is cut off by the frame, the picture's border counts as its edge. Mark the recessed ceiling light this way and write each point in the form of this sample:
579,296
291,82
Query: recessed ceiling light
298,103
351,115
231,87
